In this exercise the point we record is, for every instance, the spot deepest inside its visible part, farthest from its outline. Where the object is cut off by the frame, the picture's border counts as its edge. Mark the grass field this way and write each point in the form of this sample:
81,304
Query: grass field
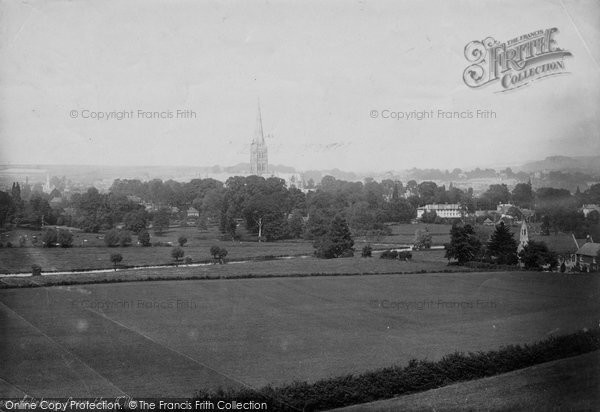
430,261
20,259
97,256
171,338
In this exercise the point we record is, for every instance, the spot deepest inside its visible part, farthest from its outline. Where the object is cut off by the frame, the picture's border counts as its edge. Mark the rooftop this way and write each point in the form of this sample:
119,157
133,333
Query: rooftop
589,249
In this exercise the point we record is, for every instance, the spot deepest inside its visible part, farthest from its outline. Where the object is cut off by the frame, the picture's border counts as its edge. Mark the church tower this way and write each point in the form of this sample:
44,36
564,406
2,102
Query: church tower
523,236
259,161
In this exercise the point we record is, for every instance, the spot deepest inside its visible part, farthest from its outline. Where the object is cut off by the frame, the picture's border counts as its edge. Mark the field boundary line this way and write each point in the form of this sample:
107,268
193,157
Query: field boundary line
65,350
15,386
234,379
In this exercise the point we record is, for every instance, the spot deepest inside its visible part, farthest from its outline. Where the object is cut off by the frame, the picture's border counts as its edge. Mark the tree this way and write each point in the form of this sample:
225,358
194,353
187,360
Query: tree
7,205
400,210
124,238
182,240
335,241
429,216
177,253
422,240
502,247
144,238
545,226
522,195
202,223
536,255
218,253
464,244
161,221
136,221
111,238
61,237
497,193
64,238
116,258
367,251
296,224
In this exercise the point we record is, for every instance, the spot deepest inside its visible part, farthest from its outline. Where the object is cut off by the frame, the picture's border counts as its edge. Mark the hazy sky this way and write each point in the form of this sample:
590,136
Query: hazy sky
318,67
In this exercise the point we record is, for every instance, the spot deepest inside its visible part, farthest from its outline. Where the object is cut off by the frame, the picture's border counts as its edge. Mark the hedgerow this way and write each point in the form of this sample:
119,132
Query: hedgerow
417,376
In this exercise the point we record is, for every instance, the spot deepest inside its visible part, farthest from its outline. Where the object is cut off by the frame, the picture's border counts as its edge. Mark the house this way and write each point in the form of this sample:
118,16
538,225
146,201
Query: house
587,256
587,209
503,208
193,212
488,222
446,210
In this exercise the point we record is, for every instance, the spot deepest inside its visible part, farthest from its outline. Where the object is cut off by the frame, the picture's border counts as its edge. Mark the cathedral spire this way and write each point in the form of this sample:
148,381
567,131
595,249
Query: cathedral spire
259,163
258,133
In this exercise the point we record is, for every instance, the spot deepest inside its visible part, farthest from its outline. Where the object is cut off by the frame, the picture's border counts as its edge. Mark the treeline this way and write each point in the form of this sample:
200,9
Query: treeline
266,207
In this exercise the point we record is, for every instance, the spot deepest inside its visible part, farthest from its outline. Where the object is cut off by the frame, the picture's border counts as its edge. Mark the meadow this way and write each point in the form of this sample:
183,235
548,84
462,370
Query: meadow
173,338
422,261
89,251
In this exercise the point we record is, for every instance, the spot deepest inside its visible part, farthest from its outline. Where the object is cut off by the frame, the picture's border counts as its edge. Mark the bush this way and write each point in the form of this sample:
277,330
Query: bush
188,260
125,238
116,258
389,254
111,238
536,256
218,253
49,238
36,270
182,240
422,240
367,251
8,244
64,238
394,254
347,253
177,253
404,255
144,238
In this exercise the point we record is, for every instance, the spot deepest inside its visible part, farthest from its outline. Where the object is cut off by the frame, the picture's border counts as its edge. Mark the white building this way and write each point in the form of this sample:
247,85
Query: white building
446,210
587,209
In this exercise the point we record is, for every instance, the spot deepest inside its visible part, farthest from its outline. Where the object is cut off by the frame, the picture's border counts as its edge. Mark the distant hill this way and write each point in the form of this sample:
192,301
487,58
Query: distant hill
586,164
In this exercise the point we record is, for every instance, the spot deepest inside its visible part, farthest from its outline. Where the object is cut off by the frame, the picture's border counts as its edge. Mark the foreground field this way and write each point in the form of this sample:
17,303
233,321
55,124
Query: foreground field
566,384
171,338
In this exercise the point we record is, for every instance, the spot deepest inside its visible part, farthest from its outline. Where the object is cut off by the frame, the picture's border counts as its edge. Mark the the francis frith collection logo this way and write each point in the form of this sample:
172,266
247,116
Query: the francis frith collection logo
516,62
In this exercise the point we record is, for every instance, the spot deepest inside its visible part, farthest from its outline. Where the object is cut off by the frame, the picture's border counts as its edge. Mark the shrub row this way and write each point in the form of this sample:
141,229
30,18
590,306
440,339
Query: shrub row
417,376
394,254
488,266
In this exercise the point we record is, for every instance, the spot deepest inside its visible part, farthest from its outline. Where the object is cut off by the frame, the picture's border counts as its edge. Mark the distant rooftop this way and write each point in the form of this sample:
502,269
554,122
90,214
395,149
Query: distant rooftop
589,249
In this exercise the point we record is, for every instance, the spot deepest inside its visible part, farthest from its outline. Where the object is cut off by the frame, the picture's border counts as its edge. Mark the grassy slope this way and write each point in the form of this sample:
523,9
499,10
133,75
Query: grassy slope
61,341
565,384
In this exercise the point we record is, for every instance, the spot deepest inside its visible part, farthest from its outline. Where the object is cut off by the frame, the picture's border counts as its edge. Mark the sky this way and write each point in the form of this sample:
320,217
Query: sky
325,74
